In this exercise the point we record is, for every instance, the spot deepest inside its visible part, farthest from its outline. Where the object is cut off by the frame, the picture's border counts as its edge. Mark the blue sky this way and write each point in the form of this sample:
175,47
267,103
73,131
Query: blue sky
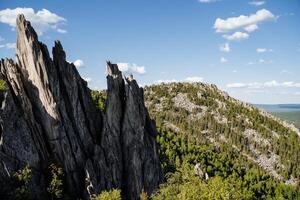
251,49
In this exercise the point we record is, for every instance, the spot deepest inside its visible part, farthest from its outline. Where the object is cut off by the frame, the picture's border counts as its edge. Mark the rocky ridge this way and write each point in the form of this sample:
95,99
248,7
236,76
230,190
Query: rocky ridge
47,116
201,112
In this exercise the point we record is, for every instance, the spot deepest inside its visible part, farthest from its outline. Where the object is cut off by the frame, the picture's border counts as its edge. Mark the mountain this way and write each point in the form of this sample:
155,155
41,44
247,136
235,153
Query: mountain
246,152
53,136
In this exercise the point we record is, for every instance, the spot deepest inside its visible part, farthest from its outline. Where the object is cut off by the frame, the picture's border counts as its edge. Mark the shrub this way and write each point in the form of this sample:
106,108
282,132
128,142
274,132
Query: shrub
55,187
22,177
114,194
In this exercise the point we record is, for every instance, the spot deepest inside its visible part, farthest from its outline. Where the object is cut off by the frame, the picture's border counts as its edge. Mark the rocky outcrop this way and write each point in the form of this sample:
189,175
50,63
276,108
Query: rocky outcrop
47,116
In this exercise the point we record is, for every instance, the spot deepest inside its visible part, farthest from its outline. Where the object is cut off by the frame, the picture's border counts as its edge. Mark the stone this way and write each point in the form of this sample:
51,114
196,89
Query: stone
47,116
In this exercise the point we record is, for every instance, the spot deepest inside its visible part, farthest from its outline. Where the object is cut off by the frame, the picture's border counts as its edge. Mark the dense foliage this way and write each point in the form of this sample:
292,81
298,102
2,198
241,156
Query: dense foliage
99,98
231,175
114,194
3,85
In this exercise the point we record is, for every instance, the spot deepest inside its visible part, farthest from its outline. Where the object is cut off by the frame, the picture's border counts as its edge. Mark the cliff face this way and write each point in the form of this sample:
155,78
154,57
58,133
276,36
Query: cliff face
47,116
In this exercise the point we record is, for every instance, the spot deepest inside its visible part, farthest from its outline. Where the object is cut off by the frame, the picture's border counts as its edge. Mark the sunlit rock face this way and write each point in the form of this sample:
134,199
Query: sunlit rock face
47,116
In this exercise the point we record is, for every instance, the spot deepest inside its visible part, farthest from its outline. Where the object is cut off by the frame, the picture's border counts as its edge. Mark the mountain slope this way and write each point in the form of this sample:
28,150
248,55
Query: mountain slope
200,124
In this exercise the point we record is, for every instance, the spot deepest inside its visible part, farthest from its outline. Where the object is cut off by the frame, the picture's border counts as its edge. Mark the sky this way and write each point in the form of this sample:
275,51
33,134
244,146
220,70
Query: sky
248,48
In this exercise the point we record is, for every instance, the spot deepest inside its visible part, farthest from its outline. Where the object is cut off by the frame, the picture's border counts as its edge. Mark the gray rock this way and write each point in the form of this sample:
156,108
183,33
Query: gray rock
47,116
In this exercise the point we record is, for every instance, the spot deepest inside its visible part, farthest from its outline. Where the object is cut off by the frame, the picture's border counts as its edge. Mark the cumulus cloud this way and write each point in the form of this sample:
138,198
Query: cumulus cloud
131,68
243,21
257,3
261,85
78,63
223,60
225,48
237,36
251,28
42,20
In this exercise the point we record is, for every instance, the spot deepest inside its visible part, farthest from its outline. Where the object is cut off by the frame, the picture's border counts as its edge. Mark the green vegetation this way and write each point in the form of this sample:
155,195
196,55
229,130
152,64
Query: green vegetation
99,98
55,187
243,151
3,85
22,177
231,175
114,194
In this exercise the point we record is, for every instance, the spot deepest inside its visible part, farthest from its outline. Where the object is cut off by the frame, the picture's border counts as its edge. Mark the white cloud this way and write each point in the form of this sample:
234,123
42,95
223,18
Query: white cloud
232,23
42,20
87,79
236,85
194,79
297,93
263,61
263,50
207,1
261,85
237,36
225,48
191,79
251,28
10,45
250,63
1,39
78,63
234,71
166,81
131,68
257,3
223,60
61,30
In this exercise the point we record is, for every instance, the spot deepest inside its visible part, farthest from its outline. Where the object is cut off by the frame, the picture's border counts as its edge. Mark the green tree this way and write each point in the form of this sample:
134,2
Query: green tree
114,194
23,176
55,187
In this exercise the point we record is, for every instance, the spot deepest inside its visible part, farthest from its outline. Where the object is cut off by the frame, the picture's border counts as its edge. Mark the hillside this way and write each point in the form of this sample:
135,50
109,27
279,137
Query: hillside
255,153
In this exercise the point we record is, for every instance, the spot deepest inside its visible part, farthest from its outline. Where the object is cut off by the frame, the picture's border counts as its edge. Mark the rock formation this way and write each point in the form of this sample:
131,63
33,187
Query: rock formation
47,116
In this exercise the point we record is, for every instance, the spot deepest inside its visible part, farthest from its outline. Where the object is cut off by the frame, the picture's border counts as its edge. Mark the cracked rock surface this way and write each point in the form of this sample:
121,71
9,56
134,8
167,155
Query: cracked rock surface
47,116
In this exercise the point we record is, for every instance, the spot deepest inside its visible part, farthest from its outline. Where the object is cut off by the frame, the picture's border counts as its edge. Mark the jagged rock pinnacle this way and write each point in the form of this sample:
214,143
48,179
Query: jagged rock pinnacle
48,116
